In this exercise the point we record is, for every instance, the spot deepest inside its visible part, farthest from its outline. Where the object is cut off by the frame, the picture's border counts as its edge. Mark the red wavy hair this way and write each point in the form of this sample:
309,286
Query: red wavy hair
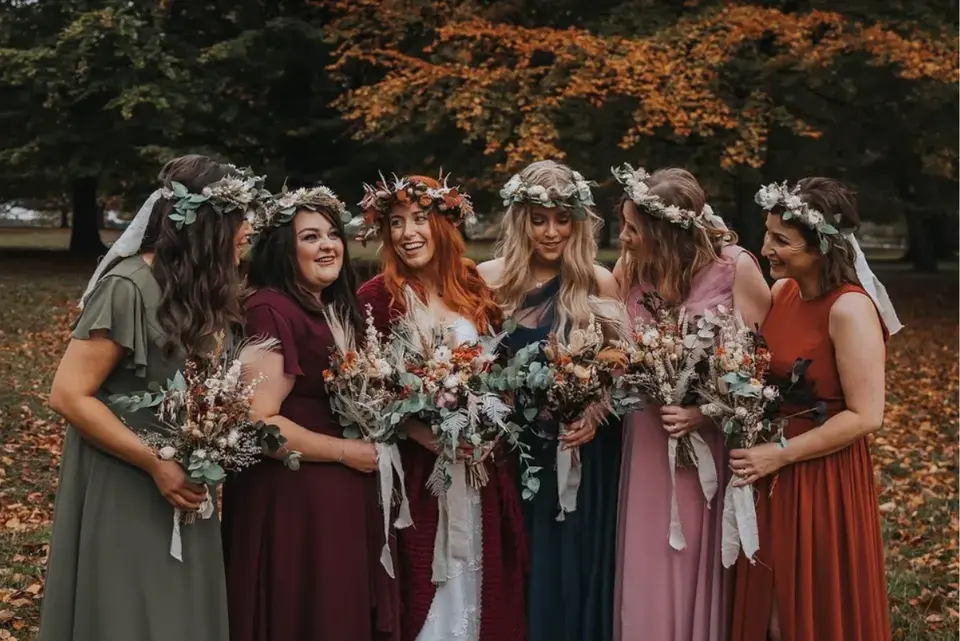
460,284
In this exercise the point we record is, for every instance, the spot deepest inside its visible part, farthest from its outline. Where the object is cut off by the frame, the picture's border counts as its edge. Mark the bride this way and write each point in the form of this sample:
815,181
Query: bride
461,567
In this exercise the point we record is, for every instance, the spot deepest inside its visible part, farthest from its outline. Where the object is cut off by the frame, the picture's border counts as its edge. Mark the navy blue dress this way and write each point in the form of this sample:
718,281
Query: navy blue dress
570,585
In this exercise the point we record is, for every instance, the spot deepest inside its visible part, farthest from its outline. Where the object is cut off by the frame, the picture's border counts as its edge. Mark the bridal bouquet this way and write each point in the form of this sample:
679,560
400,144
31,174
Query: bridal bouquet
665,358
736,395
204,413
365,393
444,383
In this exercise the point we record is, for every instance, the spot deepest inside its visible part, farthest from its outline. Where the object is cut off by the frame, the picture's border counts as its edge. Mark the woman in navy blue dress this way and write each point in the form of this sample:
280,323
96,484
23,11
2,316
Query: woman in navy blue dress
545,278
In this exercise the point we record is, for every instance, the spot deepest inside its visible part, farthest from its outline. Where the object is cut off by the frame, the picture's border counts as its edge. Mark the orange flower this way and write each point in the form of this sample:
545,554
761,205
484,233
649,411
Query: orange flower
402,196
425,201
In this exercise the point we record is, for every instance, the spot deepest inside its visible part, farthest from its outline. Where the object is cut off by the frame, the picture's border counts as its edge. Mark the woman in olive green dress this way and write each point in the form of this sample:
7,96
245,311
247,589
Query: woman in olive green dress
168,289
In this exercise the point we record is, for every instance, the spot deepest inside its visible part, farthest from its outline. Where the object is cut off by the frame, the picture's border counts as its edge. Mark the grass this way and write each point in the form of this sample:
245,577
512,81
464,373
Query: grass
915,454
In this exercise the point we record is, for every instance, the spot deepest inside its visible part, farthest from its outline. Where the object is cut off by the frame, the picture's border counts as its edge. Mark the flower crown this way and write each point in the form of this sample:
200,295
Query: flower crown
281,208
636,189
575,196
780,196
243,190
378,199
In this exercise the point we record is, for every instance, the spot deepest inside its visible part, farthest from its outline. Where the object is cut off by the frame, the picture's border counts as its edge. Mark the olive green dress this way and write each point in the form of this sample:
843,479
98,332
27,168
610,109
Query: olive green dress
110,576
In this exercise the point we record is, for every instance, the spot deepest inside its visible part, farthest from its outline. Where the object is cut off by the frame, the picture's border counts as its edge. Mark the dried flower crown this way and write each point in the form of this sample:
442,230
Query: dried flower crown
636,188
241,190
774,196
281,208
574,196
379,198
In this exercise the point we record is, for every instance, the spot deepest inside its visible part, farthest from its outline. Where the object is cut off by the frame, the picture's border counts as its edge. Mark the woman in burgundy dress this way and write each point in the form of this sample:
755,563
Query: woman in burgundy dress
302,547
476,591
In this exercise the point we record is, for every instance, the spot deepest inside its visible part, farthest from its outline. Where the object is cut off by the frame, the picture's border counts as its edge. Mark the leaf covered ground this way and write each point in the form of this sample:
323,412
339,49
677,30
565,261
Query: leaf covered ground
915,454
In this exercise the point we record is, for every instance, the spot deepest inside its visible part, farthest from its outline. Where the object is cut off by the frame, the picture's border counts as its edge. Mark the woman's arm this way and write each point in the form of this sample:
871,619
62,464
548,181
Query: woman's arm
860,353
84,367
273,389
751,296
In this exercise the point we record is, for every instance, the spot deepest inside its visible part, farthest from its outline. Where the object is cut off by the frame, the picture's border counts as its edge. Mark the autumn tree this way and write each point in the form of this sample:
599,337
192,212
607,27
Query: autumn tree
714,83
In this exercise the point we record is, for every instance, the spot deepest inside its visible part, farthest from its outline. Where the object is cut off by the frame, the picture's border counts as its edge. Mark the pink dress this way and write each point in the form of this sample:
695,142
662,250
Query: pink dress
663,594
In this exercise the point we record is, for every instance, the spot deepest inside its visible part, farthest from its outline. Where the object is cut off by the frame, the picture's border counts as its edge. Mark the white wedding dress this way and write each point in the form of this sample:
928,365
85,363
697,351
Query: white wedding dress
455,610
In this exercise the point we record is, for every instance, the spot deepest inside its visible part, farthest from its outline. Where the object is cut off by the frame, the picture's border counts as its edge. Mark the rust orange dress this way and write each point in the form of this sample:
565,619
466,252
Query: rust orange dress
821,552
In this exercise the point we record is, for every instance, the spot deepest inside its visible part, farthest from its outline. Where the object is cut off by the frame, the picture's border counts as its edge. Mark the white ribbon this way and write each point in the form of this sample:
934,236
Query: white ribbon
388,462
739,525
875,288
453,533
569,473
706,470
127,245
176,543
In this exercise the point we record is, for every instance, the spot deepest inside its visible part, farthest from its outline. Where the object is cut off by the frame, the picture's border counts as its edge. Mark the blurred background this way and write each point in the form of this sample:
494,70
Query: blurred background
96,95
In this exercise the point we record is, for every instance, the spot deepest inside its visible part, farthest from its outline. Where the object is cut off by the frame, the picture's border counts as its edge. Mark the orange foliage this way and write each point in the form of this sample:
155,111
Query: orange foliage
505,85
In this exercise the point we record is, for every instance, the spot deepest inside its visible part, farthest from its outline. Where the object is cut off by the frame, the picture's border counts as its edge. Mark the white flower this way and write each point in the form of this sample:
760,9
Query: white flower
793,201
537,192
741,412
510,188
770,392
200,453
384,368
222,443
768,196
167,453
233,438
649,337
451,382
442,354
815,218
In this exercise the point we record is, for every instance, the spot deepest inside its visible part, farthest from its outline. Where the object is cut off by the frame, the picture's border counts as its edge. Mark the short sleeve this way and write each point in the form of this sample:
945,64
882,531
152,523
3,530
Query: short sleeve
264,321
116,306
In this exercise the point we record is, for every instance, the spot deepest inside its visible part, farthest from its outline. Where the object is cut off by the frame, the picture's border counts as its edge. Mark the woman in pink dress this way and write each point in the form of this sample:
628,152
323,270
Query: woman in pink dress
670,584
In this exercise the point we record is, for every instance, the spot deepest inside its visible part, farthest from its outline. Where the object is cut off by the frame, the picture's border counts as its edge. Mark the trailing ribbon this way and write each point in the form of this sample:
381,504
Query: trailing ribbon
453,533
739,524
176,543
706,470
388,462
569,473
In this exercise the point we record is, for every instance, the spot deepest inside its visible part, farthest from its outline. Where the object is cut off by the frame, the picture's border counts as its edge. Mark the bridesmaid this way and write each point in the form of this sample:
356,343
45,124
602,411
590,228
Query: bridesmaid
544,276
670,245
165,291
480,595
819,573
302,547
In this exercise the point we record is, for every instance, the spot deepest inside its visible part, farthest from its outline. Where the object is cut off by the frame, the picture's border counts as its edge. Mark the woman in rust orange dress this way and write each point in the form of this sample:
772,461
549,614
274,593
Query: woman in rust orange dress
819,574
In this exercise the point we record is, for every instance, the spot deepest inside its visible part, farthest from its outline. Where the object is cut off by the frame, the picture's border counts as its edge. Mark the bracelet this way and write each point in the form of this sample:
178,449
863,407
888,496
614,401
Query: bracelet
343,449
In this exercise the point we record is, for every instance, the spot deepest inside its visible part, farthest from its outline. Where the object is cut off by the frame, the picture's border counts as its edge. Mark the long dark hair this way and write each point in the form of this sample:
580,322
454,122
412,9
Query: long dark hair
273,264
195,265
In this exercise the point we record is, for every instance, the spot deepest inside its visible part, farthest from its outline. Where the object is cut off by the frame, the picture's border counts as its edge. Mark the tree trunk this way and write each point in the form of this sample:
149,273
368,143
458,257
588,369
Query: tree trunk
85,234
606,232
922,242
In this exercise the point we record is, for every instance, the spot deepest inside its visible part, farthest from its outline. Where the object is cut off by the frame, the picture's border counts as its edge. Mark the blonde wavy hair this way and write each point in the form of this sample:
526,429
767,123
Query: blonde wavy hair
670,255
576,300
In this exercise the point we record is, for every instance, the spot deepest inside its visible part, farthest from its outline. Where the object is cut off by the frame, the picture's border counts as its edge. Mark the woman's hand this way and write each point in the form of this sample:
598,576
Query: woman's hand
680,421
360,456
580,432
751,465
175,486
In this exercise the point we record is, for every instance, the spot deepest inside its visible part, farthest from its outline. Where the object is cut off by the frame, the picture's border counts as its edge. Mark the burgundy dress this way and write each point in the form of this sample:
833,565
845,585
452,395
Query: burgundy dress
504,563
302,548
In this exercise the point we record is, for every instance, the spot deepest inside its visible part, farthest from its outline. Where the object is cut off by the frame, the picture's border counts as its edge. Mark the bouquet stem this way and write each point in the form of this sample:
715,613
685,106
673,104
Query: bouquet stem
477,475
686,457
